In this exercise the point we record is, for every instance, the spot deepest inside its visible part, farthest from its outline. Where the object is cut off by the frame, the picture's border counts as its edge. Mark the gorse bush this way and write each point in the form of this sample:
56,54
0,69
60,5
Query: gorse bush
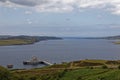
104,67
119,67
4,74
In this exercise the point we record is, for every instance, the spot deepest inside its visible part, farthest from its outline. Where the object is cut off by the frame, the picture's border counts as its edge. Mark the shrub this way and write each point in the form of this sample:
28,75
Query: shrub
119,67
104,67
4,74
33,78
89,67
101,78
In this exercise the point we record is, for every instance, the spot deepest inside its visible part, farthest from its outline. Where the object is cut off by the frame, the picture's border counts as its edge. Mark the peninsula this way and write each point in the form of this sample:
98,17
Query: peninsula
23,40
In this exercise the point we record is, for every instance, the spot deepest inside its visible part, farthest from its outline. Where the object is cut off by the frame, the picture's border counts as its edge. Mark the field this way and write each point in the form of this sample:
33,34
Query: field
117,42
14,42
69,74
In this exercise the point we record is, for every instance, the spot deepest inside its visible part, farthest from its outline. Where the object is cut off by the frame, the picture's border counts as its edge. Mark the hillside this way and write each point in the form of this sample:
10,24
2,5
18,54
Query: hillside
96,70
23,40
113,37
107,37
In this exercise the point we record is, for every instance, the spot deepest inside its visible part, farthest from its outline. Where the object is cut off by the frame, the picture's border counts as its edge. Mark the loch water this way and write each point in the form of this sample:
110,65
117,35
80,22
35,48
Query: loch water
57,51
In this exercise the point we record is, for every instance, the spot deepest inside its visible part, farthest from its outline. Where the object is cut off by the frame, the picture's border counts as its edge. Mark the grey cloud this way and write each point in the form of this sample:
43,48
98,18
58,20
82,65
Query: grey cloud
65,5
24,2
27,2
3,0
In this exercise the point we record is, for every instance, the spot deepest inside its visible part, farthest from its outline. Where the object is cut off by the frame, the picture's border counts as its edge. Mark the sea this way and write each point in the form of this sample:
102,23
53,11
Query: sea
58,51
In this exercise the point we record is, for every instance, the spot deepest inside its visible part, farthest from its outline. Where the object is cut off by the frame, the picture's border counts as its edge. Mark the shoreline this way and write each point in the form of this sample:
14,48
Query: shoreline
96,63
24,40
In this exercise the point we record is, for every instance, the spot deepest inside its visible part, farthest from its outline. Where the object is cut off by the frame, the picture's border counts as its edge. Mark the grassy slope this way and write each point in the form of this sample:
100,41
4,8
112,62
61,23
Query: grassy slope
117,42
92,74
71,74
14,42
76,72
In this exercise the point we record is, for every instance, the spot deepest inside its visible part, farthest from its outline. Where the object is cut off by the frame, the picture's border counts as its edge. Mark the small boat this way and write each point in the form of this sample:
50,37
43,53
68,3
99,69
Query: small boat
9,66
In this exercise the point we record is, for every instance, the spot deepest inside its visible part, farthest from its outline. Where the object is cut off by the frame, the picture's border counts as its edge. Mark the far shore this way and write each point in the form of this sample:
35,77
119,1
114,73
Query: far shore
24,40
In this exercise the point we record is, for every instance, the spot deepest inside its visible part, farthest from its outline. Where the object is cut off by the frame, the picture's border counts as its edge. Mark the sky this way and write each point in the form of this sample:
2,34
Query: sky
79,18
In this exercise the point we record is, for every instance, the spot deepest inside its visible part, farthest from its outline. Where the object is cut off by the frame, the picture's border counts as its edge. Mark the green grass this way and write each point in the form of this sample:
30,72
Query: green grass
15,42
94,61
71,74
117,42
83,74
66,72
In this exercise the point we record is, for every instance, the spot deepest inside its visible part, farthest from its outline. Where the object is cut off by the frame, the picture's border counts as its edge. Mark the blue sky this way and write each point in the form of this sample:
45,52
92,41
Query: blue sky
60,17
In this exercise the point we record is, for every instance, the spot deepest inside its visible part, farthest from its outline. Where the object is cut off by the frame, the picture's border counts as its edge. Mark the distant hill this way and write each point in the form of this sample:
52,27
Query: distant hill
107,37
28,37
23,39
112,37
4,36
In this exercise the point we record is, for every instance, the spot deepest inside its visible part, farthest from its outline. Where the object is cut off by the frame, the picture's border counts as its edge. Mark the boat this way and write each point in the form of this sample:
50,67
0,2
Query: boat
36,61
9,66
33,61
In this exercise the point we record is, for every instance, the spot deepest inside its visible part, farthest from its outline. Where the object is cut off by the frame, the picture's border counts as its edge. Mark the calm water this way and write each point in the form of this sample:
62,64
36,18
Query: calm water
57,51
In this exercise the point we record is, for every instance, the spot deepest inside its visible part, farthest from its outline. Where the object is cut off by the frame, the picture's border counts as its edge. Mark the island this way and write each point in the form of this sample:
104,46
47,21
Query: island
24,40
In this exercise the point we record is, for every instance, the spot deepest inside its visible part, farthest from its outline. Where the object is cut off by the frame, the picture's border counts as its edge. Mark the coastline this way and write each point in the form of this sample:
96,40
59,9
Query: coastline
24,40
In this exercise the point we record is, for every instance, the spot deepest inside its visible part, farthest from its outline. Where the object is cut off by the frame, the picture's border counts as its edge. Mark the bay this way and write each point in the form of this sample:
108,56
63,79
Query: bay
57,51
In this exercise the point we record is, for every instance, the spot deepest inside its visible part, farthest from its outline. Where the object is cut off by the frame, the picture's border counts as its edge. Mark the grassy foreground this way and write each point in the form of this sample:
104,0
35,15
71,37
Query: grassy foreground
68,74
76,70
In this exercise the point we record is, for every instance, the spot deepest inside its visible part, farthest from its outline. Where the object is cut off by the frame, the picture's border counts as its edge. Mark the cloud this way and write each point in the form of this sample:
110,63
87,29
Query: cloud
29,21
114,26
28,12
2,0
30,3
64,5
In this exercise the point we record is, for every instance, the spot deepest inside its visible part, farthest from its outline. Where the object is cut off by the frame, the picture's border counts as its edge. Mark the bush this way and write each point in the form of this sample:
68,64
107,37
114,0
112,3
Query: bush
33,78
89,67
104,67
119,67
4,74
101,78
